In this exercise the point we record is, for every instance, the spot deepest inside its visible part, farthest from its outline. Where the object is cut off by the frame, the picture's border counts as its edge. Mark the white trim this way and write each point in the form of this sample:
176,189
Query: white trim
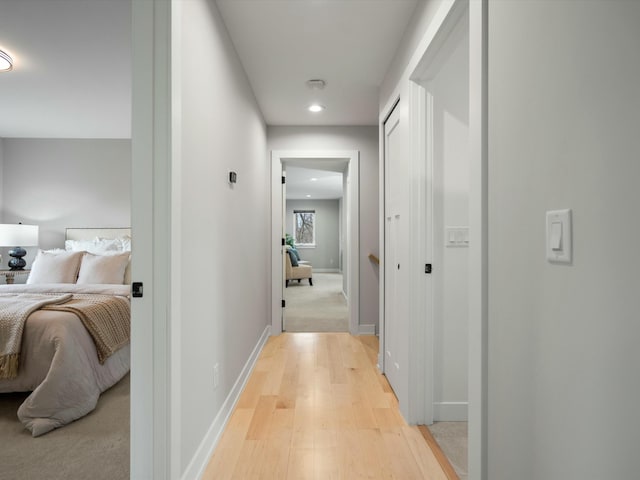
367,329
441,23
478,245
205,450
152,411
353,231
176,284
421,348
450,411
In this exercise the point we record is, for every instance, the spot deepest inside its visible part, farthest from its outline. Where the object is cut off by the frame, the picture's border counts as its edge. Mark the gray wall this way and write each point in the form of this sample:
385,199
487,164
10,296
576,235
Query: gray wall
326,253
60,183
564,111
364,139
226,307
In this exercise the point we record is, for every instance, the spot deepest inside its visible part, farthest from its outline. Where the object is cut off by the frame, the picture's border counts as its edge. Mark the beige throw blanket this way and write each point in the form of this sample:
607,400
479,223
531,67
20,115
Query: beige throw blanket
14,310
106,318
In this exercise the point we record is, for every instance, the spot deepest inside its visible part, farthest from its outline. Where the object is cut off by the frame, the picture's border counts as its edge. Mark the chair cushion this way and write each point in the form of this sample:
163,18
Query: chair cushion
293,258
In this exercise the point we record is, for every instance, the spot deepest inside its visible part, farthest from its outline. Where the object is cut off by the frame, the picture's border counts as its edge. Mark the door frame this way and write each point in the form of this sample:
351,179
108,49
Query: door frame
478,194
420,396
154,405
353,233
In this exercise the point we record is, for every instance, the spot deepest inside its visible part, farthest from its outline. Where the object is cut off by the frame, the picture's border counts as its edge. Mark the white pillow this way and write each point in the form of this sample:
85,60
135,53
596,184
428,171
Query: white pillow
55,267
97,245
125,240
103,268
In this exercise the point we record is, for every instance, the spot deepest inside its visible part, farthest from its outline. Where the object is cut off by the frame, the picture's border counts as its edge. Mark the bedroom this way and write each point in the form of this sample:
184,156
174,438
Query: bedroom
62,166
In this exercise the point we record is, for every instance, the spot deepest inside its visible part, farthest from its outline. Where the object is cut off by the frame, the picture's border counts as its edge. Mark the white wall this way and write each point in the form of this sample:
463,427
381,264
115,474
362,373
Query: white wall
325,254
564,111
418,25
60,183
450,90
224,227
365,140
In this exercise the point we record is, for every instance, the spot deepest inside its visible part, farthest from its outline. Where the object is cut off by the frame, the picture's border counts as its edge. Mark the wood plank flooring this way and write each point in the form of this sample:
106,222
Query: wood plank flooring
315,407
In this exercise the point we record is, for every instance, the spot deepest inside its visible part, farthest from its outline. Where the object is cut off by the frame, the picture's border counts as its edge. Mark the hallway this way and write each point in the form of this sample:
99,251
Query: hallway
315,407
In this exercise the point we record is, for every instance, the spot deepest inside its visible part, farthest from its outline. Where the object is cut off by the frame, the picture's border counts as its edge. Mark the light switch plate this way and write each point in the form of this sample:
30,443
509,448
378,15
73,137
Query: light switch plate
456,236
559,250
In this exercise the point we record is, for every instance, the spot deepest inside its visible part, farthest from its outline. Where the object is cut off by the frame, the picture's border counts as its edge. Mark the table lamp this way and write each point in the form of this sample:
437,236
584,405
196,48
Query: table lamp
18,234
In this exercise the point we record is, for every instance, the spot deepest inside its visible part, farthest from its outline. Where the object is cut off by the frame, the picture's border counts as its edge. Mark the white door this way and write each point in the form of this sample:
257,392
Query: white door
395,265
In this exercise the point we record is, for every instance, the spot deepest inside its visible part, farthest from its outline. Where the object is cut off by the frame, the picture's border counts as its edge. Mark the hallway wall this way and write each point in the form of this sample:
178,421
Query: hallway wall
223,225
364,139
564,111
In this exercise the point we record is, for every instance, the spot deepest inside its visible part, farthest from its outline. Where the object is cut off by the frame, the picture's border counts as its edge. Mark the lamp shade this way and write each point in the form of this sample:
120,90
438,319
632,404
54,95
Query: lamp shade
18,235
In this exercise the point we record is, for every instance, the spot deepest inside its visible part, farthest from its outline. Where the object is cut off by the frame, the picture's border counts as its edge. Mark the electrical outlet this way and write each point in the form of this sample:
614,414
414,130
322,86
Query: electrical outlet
216,375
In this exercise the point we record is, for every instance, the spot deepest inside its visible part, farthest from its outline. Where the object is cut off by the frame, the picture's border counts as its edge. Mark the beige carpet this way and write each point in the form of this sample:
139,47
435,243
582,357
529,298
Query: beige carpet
95,447
452,438
318,308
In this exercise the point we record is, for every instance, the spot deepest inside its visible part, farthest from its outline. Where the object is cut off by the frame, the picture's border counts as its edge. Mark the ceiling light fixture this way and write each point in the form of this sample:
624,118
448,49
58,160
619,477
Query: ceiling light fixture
308,196
316,84
6,63
316,108
314,179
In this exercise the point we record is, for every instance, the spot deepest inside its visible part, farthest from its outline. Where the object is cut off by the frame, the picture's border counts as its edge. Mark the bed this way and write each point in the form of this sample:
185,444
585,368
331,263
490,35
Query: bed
74,340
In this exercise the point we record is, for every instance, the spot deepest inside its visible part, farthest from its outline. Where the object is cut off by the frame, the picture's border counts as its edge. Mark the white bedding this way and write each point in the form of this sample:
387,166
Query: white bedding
59,363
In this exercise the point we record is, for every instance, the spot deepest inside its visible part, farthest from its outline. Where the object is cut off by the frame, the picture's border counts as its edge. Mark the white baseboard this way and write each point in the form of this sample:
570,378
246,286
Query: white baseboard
203,454
450,411
367,329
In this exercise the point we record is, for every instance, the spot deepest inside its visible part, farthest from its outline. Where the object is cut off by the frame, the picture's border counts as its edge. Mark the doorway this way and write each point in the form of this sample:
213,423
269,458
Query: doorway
441,383
315,221
348,162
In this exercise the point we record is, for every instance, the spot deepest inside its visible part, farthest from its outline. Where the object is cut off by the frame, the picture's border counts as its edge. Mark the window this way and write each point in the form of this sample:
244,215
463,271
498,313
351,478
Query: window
304,227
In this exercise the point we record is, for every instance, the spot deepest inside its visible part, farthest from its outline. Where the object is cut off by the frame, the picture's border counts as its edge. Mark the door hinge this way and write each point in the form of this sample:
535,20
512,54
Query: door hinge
283,242
427,268
284,179
284,304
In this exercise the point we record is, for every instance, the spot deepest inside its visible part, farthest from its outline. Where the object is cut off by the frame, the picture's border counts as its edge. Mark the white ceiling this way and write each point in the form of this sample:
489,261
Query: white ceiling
347,43
72,68
72,74
326,186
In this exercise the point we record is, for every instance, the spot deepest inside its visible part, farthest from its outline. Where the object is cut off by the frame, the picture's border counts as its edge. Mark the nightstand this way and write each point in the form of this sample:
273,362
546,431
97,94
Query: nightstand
9,275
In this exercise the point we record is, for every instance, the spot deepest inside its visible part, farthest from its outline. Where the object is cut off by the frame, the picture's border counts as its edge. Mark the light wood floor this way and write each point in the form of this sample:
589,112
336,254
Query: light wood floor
315,407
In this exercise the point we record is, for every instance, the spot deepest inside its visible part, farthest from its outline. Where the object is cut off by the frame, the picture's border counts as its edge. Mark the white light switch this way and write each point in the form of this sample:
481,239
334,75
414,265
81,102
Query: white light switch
456,236
559,241
556,236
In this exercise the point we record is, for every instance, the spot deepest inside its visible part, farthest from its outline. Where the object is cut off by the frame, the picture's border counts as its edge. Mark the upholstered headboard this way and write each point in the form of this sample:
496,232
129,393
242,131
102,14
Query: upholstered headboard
91,233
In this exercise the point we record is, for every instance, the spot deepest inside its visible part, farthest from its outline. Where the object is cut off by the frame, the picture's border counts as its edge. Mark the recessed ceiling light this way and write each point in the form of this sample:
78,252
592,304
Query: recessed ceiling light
315,108
314,179
6,63
308,196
